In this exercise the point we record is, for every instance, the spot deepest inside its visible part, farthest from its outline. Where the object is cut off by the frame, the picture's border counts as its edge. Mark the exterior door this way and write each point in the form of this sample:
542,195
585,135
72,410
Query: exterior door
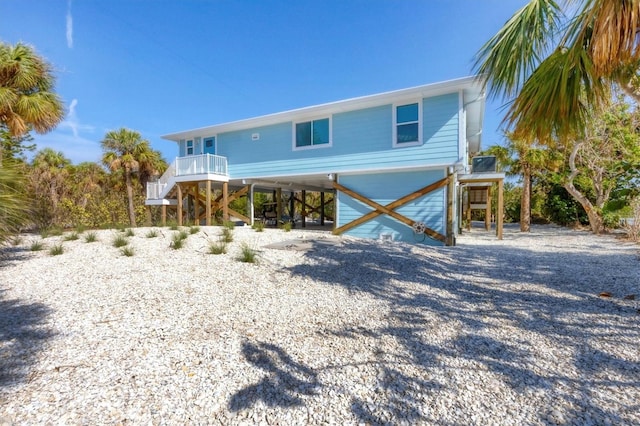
210,145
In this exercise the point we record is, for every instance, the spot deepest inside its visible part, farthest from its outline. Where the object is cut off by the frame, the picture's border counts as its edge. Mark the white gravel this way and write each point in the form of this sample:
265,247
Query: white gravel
356,332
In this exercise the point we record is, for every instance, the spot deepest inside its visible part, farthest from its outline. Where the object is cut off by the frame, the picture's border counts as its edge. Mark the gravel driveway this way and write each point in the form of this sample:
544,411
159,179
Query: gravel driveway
324,330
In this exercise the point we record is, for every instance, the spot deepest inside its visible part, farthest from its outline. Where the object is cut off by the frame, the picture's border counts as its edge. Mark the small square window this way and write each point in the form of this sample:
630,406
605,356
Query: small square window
312,133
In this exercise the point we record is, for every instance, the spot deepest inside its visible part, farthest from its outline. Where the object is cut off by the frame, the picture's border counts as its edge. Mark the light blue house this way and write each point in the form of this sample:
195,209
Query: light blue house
392,162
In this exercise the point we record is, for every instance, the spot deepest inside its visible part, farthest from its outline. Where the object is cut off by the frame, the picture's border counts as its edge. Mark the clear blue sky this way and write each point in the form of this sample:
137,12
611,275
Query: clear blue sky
163,66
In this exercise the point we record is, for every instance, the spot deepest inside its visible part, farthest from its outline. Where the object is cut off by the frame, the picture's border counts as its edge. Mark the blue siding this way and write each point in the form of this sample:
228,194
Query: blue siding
182,148
362,140
384,188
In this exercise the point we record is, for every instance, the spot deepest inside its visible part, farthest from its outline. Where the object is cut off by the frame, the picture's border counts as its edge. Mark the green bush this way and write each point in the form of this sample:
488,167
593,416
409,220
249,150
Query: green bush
178,239
228,224
127,251
91,237
286,227
129,233
194,230
258,226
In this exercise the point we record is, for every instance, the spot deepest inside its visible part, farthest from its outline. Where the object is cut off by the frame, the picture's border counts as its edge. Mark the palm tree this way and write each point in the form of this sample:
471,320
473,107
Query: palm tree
553,67
123,150
48,177
13,203
151,164
27,99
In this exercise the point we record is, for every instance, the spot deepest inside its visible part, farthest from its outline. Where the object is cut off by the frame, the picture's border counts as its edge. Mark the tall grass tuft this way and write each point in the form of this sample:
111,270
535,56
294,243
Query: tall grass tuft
80,229
56,250
286,227
177,242
227,235
127,251
129,233
71,237
152,233
218,248
258,226
247,254
36,246
91,237
120,241
194,230
229,224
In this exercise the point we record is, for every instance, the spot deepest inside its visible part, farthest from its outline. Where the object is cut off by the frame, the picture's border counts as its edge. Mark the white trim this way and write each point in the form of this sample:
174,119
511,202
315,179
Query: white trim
462,129
394,120
294,147
472,87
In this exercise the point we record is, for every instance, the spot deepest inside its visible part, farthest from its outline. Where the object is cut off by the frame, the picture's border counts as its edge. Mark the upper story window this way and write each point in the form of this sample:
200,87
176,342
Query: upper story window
189,147
312,134
407,126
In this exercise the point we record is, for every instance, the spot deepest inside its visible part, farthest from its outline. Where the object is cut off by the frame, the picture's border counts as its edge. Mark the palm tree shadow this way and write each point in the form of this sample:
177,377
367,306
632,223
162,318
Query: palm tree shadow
286,380
23,332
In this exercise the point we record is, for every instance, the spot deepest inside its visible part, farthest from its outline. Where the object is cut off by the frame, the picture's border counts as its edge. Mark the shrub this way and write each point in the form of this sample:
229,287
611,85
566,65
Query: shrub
194,230
183,235
218,248
286,227
80,229
127,251
258,226
37,246
56,250
228,224
247,254
91,237
71,237
120,241
152,233
129,233
227,235
55,231
173,225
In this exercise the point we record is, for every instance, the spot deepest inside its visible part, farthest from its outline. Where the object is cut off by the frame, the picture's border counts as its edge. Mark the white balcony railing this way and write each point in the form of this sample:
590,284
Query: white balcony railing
185,166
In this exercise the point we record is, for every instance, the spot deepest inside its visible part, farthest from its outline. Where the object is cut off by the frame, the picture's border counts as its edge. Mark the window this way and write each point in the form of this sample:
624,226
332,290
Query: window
189,147
309,134
407,126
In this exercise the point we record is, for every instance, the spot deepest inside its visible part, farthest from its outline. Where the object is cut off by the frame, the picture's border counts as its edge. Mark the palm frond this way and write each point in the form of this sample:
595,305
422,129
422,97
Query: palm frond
509,57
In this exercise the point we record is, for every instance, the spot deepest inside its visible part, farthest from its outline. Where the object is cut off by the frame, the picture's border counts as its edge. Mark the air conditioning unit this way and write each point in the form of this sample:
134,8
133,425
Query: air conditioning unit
483,164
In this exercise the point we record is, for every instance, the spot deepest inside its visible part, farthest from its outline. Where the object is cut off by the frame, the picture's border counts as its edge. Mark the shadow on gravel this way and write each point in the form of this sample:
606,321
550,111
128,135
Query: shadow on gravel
22,335
284,383
477,289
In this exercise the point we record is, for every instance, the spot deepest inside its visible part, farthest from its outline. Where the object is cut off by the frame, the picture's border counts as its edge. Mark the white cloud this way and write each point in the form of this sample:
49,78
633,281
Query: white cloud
69,26
73,123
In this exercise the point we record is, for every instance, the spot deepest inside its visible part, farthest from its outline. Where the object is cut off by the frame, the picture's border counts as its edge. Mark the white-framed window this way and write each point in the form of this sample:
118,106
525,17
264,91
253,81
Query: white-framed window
312,134
407,124
189,147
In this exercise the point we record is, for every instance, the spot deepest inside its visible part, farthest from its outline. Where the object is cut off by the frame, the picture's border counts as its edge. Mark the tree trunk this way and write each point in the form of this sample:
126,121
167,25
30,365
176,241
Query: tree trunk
132,212
525,200
595,219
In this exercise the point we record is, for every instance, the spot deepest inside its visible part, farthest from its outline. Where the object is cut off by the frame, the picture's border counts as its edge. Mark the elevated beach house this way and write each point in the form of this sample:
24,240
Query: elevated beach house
392,165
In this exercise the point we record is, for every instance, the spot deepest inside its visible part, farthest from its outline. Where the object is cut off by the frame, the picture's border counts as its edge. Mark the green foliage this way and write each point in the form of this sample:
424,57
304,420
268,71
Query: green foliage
227,235
194,230
562,209
13,203
127,251
286,227
36,246
56,250
178,239
71,237
228,224
129,233
218,248
152,233
120,241
80,228
258,226
173,225
247,254
91,237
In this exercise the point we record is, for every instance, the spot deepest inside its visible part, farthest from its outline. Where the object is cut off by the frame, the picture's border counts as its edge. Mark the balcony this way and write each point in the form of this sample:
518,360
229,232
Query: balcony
196,167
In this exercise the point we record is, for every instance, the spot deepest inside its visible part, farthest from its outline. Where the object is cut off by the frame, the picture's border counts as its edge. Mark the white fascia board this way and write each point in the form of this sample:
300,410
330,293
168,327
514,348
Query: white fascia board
471,86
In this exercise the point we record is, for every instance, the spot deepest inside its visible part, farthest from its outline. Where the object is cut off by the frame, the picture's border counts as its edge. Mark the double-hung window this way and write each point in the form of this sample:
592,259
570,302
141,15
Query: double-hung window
312,134
407,126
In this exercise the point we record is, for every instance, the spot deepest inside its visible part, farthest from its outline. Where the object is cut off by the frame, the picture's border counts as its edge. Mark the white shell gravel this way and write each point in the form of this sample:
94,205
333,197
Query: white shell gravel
354,332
